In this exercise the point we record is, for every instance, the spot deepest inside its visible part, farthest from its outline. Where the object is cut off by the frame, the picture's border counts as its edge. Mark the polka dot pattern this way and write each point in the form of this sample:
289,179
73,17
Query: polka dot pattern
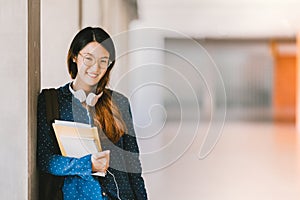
78,182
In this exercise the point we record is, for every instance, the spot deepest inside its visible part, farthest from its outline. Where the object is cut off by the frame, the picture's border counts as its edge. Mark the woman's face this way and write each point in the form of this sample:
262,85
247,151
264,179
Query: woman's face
92,62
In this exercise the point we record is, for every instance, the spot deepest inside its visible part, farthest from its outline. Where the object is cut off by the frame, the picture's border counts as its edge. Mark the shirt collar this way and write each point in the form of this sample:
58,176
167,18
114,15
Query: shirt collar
65,89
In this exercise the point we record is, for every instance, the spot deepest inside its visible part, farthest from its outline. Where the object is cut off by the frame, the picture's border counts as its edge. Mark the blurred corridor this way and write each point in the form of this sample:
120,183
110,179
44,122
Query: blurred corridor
251,161
213,85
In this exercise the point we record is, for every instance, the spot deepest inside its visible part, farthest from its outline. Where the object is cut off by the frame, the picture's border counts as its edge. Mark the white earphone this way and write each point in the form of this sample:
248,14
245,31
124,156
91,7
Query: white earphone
90,100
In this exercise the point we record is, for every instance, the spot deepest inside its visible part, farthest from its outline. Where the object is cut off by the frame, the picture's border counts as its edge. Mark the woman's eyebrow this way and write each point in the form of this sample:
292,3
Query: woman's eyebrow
86,53
104,57
94,55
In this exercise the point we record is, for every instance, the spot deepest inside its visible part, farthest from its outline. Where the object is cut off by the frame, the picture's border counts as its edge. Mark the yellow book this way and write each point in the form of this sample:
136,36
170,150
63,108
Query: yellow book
77,139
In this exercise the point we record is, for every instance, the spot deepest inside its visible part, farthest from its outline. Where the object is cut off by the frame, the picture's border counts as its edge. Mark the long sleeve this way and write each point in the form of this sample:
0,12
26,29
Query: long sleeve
49,160
132,160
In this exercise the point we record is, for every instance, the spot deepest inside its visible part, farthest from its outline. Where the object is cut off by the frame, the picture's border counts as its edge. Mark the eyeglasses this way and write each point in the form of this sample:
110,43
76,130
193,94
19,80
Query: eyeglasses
90,60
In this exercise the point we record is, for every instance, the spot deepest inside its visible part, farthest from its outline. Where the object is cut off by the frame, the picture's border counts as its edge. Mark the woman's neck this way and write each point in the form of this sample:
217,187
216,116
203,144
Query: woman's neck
78,85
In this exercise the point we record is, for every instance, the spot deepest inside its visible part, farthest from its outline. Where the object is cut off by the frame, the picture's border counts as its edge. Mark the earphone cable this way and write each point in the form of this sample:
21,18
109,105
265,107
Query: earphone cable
118,192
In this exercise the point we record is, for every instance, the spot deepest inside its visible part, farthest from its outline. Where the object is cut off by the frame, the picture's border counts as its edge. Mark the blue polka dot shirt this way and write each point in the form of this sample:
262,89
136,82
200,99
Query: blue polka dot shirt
78,181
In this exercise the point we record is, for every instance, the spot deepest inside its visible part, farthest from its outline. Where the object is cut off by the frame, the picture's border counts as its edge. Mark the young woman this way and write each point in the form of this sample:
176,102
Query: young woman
86,99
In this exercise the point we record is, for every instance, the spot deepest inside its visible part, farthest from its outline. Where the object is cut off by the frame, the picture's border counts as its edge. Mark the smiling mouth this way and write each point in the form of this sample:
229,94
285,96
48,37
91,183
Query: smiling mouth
92,75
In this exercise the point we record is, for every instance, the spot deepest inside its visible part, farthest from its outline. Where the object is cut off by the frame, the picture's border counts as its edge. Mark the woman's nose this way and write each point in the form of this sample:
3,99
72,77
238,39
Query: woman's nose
95,67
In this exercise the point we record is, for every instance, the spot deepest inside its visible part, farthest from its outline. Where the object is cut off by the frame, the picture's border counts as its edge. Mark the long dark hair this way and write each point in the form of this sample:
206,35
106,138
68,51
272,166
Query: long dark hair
106,113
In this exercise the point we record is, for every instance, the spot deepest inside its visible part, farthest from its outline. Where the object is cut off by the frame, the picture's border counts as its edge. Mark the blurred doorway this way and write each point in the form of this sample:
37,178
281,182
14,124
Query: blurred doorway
284,94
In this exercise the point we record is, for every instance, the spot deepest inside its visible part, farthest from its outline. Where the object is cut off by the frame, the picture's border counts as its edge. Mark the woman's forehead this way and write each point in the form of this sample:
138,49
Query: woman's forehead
94,48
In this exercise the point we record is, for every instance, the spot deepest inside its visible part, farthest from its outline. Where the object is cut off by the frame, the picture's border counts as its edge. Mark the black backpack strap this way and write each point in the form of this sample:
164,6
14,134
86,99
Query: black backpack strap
52,109
52,113
50,186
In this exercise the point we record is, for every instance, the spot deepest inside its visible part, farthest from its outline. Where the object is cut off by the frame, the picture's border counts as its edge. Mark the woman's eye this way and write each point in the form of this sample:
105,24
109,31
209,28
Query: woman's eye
89,58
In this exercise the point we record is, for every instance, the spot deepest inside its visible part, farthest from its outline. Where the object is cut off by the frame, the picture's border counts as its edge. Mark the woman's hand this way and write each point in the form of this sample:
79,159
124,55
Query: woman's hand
100,161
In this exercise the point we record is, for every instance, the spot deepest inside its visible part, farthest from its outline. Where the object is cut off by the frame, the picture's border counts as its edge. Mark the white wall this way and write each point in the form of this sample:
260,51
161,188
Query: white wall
13,109
19,71
59,24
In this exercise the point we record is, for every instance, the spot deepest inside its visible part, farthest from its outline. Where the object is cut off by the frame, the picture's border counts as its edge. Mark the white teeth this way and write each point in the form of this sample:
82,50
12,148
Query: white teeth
92,75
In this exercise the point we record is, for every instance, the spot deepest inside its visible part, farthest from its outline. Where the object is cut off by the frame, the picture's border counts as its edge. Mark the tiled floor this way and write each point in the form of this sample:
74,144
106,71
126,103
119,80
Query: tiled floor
250,161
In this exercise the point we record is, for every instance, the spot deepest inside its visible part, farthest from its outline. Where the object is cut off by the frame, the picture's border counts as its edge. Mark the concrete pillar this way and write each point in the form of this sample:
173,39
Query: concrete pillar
19,80
33,90
116,16
91,13
59,24
61,20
